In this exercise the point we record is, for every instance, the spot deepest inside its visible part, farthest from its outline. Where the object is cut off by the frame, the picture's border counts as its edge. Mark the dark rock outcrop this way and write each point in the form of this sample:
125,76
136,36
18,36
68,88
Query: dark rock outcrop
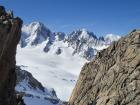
10,30
113,77
23,75
27,86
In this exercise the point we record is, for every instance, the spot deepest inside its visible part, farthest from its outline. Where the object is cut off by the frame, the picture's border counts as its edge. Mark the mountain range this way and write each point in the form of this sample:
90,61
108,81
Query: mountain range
83,42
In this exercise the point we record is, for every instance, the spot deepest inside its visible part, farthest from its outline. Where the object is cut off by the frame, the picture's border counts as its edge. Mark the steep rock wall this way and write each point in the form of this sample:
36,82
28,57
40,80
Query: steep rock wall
10,31
113,77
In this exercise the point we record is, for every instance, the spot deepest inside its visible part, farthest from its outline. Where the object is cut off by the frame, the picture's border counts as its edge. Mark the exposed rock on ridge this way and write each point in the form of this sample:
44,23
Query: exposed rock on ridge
32,82
113,77
10,30
28,86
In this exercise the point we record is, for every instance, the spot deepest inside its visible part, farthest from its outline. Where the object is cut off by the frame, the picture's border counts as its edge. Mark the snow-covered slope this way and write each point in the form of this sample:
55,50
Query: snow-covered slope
58,72
54,58
32,89
37,101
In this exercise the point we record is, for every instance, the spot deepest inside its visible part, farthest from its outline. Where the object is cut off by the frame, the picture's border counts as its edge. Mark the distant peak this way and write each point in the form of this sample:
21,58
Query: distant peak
35,33
37,23
83,33
33,26
112,37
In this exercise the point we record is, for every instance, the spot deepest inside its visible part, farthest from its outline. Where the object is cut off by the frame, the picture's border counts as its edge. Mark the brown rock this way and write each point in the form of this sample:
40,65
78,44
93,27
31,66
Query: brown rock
113,77
9,38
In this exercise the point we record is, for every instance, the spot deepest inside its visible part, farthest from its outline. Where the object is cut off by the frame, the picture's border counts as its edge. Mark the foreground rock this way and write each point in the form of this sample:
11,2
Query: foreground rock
113,77
10,30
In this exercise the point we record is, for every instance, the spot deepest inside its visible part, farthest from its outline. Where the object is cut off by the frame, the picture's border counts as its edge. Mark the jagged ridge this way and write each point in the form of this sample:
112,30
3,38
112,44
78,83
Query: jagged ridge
83,42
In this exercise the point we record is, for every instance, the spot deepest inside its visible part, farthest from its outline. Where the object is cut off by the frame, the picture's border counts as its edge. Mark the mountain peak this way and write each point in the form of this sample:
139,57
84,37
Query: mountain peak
36,24
112,37
83,33
34,33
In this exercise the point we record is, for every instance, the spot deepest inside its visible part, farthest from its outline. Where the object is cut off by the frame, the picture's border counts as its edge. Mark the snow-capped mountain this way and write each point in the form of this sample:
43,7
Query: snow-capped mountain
109,38
84,43
55,58
34,34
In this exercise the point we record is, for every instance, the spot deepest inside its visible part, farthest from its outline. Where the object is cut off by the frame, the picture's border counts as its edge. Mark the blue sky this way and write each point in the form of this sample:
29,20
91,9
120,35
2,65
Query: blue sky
99,16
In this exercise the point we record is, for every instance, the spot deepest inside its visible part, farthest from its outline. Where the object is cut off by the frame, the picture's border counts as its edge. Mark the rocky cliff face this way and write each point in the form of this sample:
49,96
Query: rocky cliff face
113,77
10,30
